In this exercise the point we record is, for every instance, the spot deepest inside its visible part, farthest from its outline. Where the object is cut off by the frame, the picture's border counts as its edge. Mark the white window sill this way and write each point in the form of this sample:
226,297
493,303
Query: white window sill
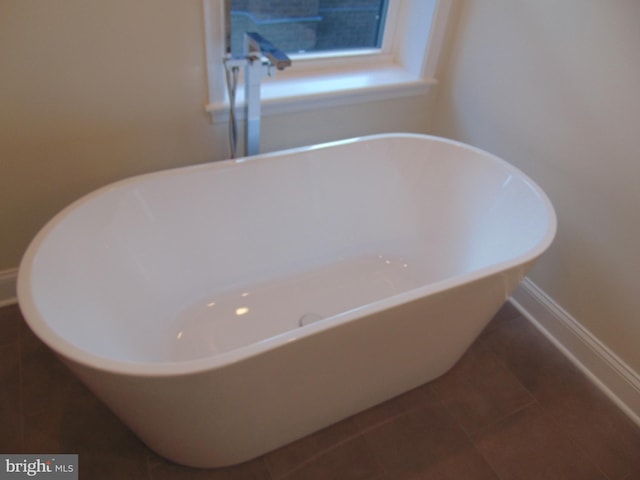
291,91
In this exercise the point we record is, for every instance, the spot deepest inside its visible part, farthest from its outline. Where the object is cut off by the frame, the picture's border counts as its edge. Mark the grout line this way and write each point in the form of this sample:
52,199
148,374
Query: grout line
469,435
361,433
149,467
265,467
313,457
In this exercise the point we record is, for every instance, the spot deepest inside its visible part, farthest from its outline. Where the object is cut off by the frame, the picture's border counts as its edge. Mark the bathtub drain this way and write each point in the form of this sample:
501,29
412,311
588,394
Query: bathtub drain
308,318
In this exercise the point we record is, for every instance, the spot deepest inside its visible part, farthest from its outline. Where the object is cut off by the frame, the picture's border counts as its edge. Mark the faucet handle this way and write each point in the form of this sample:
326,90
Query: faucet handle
254,42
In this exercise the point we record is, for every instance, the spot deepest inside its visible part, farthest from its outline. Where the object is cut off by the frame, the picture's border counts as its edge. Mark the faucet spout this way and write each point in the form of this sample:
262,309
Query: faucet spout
256,43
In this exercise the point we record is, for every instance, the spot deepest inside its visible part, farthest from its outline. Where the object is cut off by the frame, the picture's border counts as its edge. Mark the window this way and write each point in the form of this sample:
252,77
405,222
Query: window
307,26
401,62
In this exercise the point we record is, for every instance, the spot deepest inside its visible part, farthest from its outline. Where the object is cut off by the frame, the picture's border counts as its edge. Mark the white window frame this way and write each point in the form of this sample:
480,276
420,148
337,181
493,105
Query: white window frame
405,65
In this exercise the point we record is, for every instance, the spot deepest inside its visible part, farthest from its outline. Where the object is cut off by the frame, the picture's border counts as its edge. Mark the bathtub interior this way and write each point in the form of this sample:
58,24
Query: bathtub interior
189,263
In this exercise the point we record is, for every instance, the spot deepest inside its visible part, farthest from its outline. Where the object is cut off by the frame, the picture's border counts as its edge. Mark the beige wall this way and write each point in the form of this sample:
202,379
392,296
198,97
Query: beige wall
554,87
92,91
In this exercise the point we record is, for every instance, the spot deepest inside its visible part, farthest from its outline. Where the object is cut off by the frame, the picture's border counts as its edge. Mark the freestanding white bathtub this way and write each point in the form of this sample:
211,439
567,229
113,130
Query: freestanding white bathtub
224,310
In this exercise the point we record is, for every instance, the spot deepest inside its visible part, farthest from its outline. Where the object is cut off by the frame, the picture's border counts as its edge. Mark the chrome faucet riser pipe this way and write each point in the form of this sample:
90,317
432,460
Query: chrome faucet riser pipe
255,67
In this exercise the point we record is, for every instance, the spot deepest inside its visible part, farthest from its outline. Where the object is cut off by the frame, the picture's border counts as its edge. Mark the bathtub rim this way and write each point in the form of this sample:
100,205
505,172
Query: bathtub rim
65,348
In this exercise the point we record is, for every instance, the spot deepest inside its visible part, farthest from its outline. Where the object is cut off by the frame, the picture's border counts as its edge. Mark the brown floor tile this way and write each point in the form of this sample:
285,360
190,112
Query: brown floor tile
400,405
10,438
379,414
426,444
582,411
10,405
506,312
529,445
106,466
253,470
43,375
349,461
528,354
608,437
635,472
480,390
290,457
11,322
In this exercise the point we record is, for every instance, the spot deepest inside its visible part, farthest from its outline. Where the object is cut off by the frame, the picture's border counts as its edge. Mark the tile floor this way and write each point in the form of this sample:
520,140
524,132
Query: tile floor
512,408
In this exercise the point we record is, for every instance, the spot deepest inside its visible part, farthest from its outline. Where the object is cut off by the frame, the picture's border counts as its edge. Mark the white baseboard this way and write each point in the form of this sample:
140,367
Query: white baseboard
8,280
610,373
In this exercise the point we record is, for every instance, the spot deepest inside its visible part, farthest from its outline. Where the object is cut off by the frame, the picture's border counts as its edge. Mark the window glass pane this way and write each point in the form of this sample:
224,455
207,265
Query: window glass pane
302,26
